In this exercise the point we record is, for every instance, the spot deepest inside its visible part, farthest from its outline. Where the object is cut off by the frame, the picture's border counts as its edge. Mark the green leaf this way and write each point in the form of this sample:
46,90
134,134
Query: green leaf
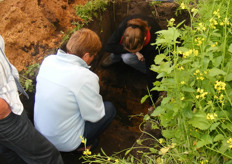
28,83
157,111
227,126
224,146
168,133
188,89
215,71
205,140
214,126
153,150
217,61
128,151
228,77
159,58
146,117
230,48
139,142
165,100
144,99
218,137
199,121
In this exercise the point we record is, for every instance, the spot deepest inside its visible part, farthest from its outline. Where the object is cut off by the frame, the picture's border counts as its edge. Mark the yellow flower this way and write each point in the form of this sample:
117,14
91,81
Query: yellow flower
108,159
82,139
116,160
197,96
210,102
201,27
182,82
164,150
159,161
171,22
211,116
200,90
199,43
229,141
216,13
172,19
219,86
173,145
202,78
193,9
182,98
195,52
226,21
161,140
182,6
87,152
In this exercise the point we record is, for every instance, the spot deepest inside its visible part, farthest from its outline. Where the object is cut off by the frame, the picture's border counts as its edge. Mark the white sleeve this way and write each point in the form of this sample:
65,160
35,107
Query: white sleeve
90,101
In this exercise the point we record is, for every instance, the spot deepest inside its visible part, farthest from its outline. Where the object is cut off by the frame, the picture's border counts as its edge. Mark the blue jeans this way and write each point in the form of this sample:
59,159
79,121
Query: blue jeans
93,130
131,60
20,142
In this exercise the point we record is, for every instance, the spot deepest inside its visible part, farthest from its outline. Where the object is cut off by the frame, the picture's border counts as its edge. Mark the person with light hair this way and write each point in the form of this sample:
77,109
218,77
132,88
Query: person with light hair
68,106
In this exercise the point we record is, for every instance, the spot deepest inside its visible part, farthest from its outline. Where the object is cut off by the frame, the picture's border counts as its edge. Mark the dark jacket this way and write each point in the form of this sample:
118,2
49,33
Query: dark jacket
113,45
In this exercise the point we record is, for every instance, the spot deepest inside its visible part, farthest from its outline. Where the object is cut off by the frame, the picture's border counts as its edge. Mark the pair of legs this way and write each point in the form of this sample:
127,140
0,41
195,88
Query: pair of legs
21,143
93,130
131,60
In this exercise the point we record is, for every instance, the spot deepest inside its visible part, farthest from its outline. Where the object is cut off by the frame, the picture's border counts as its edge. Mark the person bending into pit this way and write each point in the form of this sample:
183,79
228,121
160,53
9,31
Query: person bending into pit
68,105
131,43
20,142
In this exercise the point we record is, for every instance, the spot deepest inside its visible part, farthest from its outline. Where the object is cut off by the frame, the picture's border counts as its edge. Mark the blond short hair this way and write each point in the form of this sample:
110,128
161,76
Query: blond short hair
84,41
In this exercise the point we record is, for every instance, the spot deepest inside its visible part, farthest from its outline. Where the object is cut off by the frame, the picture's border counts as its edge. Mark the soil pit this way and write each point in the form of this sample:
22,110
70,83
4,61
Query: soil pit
33,29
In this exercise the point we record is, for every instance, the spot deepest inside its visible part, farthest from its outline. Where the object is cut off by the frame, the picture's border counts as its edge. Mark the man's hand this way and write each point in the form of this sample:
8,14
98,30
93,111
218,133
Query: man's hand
140,56
4,109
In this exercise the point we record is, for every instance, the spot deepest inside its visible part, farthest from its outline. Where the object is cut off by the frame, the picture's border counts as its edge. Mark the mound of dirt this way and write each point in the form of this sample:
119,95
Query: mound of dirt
30,27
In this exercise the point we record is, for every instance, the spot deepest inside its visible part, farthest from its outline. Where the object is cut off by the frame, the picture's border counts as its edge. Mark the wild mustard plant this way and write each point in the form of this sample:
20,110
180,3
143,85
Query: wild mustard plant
196,73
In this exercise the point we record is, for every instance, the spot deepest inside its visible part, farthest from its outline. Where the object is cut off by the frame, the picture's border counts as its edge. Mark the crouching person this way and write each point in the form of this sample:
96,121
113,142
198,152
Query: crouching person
20,142
68,105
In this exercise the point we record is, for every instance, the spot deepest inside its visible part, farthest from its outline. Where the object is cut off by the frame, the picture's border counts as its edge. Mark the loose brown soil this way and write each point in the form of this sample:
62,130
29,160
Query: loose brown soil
33,29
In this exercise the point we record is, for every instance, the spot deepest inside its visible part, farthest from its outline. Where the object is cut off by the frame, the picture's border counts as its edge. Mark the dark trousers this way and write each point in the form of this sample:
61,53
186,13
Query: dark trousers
93,130
20,142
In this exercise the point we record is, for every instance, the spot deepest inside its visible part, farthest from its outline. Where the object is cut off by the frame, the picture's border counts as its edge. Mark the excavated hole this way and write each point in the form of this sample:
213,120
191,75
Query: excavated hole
121,84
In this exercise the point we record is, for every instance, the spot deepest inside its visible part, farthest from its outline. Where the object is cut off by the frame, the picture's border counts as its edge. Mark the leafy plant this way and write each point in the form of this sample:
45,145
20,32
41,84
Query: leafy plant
86,12
27,76
90,9
196,74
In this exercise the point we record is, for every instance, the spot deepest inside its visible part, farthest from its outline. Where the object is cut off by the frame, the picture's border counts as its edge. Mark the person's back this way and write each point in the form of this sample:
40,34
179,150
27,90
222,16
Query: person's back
67,96
56,100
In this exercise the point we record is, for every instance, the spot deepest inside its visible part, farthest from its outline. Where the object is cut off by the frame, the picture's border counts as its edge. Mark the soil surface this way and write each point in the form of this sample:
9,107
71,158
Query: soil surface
33,29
